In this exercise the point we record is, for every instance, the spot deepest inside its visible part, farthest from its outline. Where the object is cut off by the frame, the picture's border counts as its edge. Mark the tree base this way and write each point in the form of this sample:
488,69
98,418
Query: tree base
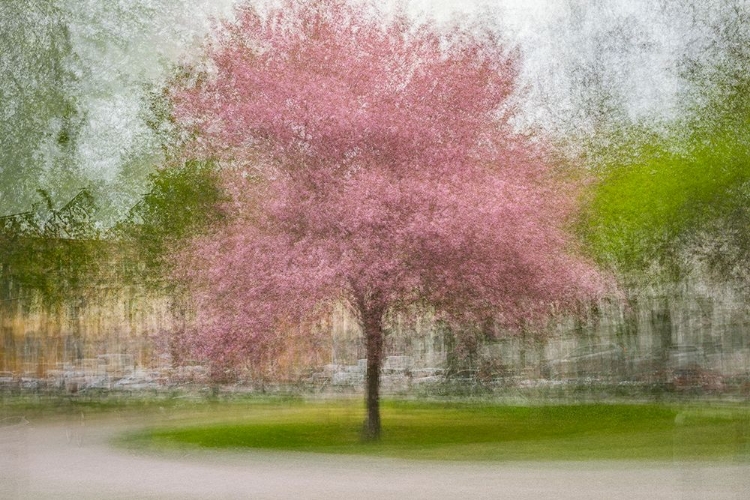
370,433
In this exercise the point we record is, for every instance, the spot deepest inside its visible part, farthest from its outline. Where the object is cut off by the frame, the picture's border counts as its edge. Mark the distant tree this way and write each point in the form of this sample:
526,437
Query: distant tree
75,82
40,118
370,163
51,253
672,201
182,201
717,127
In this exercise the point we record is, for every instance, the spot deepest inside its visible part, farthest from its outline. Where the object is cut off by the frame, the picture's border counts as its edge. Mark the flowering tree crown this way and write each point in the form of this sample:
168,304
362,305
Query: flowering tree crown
371,162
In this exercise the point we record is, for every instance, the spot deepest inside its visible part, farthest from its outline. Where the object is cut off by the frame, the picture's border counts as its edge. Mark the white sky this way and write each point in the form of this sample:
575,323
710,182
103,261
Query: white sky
549,41
124,45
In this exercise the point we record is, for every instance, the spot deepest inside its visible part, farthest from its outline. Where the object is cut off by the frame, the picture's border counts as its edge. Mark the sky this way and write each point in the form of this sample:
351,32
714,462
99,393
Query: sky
550,43
124,47
634,42
626,50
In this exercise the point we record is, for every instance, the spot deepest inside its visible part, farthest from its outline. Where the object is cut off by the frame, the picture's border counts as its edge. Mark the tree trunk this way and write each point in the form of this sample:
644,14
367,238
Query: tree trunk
373,330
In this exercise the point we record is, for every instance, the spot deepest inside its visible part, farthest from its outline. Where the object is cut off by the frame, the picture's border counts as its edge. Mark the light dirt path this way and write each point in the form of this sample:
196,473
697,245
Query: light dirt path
68,460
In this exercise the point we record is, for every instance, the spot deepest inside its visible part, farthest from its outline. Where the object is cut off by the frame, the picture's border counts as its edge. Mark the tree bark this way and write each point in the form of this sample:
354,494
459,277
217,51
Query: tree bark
373,330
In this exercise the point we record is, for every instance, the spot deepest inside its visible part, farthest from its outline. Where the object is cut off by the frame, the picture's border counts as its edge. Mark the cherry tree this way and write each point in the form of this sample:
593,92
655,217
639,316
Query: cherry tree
370,163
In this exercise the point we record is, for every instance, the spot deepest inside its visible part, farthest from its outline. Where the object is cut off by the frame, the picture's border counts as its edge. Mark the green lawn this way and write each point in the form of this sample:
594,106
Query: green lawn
459,431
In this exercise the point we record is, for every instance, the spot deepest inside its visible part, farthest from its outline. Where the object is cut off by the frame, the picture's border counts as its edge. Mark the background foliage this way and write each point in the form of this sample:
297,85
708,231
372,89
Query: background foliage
674,201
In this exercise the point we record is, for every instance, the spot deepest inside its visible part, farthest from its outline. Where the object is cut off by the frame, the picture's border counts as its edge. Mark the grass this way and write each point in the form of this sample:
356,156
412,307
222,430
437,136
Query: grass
462,431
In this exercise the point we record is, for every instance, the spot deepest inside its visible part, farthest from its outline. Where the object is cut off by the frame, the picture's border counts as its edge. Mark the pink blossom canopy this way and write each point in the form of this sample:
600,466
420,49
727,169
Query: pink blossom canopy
370,162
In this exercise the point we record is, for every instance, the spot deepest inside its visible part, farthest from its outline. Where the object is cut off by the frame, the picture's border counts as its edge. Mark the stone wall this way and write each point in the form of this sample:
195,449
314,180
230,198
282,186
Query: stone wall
39,339
691,321
678,324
